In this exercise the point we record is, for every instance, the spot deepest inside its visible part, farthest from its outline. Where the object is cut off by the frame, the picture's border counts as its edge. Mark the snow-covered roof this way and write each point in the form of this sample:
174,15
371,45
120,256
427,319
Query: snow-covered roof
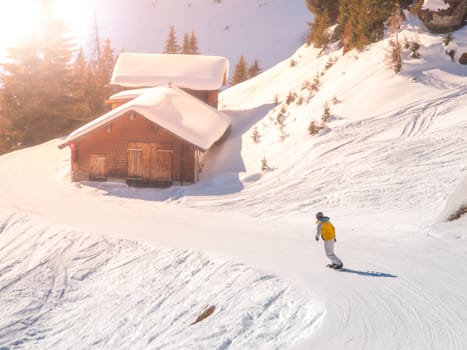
173,109
195,72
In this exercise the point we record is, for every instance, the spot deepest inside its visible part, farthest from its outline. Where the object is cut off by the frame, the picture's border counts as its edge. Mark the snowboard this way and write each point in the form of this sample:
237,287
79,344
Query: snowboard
332,268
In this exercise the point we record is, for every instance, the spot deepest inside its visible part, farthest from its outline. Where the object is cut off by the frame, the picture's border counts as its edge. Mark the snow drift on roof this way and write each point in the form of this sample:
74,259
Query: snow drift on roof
195,72
173,109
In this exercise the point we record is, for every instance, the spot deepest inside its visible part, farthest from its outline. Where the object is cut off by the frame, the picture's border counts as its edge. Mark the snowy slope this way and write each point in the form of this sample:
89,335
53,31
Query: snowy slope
85,263
118,294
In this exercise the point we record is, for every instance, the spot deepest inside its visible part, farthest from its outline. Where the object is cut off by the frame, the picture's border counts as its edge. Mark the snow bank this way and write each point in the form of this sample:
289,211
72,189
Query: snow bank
435,5
455,201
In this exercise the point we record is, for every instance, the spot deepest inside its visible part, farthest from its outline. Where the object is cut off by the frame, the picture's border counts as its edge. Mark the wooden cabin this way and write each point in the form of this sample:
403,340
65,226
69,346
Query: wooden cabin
199,75
153,136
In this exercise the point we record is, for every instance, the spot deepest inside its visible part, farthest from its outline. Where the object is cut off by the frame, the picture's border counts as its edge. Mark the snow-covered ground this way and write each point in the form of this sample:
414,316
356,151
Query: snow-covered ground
101,265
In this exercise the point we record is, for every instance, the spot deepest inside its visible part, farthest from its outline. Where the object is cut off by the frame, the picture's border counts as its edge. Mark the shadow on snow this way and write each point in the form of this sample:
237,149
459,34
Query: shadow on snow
369,273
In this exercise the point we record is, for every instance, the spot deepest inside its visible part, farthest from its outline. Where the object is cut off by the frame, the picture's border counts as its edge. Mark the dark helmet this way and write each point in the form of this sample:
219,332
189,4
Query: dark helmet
319,215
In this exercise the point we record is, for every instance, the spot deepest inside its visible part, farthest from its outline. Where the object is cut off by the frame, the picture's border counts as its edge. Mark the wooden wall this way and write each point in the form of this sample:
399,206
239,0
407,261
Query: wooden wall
106,150
209,97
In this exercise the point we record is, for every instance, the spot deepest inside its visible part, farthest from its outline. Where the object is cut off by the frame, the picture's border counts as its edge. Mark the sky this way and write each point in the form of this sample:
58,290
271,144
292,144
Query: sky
230,28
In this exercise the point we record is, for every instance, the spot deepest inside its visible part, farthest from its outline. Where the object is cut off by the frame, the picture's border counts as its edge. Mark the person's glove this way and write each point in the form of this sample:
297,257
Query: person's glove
317,238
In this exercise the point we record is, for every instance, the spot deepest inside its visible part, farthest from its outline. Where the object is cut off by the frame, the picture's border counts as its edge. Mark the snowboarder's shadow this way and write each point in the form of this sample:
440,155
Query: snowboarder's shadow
369,273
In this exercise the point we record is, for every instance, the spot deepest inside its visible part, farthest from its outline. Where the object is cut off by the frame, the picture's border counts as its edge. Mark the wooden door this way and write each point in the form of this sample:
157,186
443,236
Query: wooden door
150,161
135,163
97,167
161,164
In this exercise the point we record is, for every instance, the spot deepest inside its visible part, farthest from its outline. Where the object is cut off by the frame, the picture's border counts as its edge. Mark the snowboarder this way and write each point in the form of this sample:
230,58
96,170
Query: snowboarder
328,233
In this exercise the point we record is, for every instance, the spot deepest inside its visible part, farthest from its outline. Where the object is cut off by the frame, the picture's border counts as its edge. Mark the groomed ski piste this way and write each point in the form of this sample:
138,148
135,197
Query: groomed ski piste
105,266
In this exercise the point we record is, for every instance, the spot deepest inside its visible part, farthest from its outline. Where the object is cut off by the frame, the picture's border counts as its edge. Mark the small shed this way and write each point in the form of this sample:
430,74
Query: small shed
156,132
155,139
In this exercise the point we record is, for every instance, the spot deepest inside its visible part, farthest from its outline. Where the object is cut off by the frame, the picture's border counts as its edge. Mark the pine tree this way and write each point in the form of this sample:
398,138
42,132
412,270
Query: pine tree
255,135
326,113
5,131
241,72
448,38
325,14
186,48
254,69
264,164
99,74
313,128
194,43
81,89
290,98
406,3
451,52
171,45
319,37
381,10
395,19
94,97
346,20
104,75
414,46
394,53
317,7
38,91
190,44
393,56
361,22
108,61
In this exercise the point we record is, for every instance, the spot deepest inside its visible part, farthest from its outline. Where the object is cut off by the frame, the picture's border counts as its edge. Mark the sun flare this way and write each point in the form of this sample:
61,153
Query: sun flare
17,18
20,18
77,14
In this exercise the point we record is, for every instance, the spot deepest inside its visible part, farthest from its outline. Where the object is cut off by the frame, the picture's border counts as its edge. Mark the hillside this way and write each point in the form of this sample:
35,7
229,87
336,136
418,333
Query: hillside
375,115
101,265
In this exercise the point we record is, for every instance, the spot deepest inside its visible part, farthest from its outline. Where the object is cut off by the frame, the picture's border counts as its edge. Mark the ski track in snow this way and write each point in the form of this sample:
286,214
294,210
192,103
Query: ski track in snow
135,296
412,150
397,312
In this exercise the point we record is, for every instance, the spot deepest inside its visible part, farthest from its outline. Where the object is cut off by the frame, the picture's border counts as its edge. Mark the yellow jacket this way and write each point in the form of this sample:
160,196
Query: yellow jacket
325,229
